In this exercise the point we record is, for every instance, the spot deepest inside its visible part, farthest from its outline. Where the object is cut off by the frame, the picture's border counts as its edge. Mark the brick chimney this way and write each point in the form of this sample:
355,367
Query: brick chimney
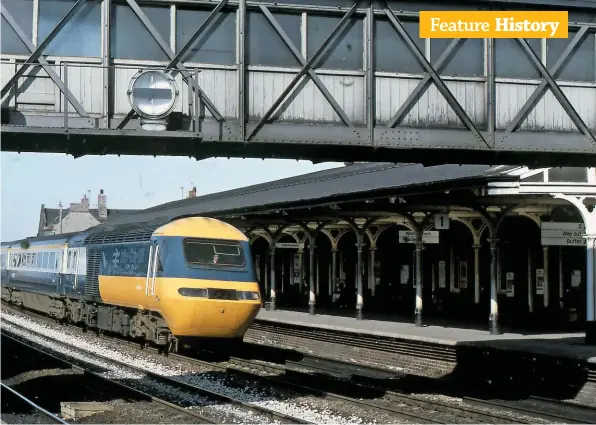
193,192
102,205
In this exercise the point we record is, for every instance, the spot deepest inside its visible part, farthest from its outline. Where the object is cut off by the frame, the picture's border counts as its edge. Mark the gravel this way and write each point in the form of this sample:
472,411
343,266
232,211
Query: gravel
307,408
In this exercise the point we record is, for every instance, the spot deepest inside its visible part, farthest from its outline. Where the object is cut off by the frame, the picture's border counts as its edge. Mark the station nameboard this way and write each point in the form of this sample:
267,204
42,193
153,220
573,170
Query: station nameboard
562,234
408,236
289,245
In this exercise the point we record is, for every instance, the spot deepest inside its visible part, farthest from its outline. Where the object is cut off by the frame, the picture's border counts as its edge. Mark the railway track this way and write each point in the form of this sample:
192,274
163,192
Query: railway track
11,397
298,377
135,373
532,406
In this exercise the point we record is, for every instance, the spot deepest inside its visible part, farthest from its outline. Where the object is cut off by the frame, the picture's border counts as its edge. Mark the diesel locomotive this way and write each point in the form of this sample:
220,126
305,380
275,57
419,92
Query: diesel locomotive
185,280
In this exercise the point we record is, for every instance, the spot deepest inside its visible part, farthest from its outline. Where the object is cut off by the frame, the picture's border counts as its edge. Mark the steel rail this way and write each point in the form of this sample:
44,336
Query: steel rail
179,409
38,408
465,412
272,414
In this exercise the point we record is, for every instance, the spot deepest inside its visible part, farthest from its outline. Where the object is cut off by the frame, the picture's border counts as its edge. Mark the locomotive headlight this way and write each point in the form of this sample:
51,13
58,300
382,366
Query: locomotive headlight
248,295
152,94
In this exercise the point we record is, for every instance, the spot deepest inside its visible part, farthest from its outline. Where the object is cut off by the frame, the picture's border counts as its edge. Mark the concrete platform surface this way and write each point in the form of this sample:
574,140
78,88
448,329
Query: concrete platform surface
566,344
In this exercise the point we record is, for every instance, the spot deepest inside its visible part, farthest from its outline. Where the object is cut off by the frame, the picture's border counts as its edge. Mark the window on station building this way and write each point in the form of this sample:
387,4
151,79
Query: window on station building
511,60
265,45
580,65
81,36
345,51
535,178
130,39
391,52
467,61
22,13
217,45
568,175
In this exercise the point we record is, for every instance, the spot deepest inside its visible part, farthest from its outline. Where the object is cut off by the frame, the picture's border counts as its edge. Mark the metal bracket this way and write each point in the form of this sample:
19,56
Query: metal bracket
306,69
36,56
443,89
175,58
549,81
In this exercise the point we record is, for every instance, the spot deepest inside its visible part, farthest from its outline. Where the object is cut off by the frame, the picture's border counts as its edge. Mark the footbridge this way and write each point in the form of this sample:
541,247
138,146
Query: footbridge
306,79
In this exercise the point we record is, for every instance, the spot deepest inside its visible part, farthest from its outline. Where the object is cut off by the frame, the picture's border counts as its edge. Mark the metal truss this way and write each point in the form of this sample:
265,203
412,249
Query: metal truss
36,56
392,141
432,74
548,80
306,69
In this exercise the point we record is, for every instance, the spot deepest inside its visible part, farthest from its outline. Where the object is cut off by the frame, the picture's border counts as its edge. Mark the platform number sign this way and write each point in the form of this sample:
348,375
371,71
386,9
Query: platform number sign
442,221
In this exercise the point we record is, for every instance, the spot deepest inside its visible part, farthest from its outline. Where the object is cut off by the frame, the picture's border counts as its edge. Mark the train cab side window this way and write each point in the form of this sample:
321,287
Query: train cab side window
213,254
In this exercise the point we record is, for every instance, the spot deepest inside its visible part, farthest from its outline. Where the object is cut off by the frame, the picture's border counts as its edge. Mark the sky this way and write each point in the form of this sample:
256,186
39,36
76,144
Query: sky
129,182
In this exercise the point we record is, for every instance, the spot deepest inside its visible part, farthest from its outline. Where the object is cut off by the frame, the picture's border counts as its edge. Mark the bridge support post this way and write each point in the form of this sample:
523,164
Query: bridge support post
311,271
418,310
493,319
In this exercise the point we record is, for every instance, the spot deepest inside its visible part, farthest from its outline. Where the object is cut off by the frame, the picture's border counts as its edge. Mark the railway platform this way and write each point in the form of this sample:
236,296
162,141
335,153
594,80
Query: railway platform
555,365
443,332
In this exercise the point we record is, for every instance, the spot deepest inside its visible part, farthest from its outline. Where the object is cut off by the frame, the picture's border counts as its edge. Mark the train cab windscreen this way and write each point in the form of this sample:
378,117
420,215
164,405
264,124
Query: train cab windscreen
213,254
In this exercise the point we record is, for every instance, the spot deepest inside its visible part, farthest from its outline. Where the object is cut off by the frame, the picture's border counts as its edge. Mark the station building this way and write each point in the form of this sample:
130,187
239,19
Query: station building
468,243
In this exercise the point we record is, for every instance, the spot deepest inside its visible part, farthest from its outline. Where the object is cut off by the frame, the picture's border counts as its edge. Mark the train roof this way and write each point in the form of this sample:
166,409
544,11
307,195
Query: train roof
43,240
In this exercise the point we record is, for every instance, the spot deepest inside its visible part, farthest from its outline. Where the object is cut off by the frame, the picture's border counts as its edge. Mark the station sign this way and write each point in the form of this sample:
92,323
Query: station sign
408,236
442,221
562,234
289,245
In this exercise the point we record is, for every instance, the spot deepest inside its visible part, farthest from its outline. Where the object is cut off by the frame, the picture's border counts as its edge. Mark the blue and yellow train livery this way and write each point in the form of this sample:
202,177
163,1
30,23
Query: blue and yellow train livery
163,282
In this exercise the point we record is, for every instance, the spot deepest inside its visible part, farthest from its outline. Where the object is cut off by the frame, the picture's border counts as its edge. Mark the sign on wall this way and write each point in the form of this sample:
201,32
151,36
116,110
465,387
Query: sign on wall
562,234
441,221
510,284
408,236
296,268
540,281
463,274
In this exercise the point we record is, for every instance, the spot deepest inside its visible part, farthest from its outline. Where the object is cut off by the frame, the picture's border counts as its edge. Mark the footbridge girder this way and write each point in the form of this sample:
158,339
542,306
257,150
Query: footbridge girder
319,80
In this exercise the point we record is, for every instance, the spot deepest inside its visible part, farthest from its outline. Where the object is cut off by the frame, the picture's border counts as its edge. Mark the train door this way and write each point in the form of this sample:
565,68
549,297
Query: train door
153,268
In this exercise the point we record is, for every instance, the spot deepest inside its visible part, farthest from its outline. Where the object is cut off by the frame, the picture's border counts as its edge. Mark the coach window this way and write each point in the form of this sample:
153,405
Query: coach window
391,52
22,12
38,260
579,66
129,37
51,259
265,45
512,62
216,45
467,61
81,36
347,48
